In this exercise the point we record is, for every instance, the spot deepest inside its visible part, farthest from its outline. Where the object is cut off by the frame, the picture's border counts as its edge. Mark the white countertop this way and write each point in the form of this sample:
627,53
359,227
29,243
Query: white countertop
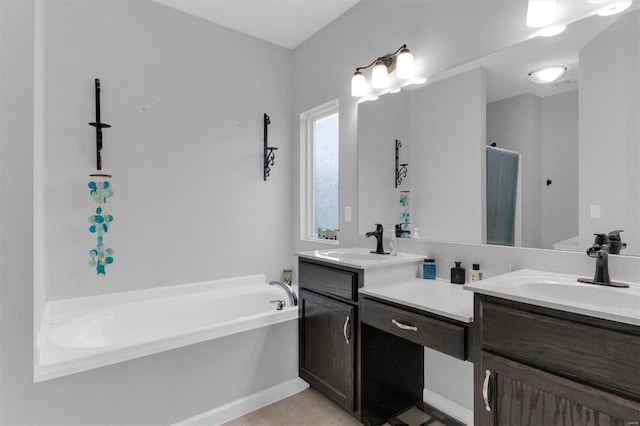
563,292
359,258
438,297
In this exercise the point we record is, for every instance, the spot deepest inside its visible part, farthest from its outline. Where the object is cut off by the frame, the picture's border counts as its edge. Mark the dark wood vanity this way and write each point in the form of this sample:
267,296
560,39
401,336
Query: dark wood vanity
364,353
536,366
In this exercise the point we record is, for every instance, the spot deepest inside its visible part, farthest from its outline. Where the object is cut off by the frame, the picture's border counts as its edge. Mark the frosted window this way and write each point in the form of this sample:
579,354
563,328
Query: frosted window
325,172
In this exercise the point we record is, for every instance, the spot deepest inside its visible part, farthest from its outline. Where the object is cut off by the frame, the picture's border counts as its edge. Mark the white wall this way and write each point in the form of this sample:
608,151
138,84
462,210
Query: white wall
610,131
186,103
447,147
203,122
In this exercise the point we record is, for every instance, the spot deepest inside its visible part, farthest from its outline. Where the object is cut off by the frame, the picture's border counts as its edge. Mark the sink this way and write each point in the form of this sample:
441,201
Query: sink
358,257
564,292
584,293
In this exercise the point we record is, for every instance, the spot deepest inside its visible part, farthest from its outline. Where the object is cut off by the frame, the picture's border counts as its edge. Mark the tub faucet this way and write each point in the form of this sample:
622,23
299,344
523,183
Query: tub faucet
293,299
601,253
378,234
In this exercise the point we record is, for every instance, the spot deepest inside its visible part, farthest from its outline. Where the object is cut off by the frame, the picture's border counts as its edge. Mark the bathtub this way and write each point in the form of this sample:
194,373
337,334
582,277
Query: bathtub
91,332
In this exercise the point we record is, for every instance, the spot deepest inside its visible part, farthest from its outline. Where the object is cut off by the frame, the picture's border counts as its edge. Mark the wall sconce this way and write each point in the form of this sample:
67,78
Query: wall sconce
401,169
400,61
269,155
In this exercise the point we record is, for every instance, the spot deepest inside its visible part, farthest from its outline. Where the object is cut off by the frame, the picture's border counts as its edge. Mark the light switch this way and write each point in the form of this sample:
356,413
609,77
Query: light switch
595,211
347,214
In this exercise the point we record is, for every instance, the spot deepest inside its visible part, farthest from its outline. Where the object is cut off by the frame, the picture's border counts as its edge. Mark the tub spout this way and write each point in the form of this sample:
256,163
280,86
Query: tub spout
293,299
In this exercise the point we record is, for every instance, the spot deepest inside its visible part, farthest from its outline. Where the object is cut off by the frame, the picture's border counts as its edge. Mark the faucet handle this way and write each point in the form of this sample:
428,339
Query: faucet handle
280,303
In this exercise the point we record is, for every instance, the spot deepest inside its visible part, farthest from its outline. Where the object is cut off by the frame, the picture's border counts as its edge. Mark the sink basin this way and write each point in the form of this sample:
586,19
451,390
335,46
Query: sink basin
584,293
564,292
359,257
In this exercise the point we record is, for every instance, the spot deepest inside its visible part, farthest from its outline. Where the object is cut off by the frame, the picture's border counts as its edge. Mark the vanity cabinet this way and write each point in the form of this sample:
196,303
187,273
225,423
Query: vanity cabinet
328,339
540,366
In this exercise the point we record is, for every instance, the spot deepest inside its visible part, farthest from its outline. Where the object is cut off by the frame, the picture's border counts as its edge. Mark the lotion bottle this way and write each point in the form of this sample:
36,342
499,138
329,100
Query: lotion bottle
475,274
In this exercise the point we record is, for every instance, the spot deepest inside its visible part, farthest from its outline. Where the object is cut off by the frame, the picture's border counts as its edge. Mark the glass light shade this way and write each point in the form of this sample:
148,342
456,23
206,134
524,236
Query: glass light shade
379,76
614,8
547,74
404,64
541,13
358,85
552,30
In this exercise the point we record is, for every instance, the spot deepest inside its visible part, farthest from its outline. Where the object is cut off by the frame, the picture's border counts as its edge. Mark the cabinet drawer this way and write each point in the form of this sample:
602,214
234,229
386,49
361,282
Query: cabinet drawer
329,280
585,352
427,331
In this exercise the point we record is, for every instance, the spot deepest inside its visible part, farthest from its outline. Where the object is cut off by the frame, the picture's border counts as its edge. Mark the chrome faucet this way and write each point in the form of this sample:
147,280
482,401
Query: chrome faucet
378,234
600,251
293,299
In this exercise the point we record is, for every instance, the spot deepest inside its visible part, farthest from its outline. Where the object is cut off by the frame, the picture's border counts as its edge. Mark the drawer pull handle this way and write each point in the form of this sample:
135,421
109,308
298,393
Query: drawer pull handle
344,329
485,391
404,326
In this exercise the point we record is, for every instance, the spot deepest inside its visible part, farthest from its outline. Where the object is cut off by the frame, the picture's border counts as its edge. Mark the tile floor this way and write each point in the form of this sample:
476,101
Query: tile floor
307,408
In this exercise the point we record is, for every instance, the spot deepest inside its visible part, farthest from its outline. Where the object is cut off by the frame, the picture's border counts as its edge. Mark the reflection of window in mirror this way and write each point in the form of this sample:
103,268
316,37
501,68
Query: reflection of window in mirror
319,134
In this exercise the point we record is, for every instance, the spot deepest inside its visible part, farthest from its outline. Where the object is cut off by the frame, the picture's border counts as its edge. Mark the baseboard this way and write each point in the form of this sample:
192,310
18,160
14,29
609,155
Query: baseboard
447,406
245,405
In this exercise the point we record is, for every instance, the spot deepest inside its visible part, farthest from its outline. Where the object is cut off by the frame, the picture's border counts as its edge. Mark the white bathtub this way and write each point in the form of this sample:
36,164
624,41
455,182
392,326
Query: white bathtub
86,333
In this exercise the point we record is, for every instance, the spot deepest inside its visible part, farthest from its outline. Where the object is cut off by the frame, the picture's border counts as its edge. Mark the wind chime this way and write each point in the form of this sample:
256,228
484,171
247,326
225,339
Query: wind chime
100,191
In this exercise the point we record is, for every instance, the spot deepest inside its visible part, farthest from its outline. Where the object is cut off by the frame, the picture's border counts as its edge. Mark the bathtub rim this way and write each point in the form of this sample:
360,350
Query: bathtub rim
72,308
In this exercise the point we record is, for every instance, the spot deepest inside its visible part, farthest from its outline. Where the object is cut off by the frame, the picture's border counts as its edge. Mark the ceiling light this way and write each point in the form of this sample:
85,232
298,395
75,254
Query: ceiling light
400,61
552,30
541,13
614,8
547,74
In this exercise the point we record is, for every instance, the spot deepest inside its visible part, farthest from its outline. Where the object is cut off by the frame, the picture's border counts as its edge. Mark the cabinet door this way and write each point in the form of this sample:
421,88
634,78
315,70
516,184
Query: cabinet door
511,394
327,346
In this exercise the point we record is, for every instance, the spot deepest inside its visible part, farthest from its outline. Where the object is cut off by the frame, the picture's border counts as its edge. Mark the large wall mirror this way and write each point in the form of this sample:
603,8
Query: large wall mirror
566,161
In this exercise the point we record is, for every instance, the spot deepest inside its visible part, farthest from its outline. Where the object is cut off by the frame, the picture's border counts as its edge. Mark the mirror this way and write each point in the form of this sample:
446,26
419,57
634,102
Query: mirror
577,139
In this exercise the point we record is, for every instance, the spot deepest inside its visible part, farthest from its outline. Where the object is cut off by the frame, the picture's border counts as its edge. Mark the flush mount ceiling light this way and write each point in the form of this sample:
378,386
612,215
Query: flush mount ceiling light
541,13
400,61
614,8
547,74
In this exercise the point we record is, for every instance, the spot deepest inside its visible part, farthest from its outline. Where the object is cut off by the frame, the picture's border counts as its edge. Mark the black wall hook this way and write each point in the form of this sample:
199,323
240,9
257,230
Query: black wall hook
99,126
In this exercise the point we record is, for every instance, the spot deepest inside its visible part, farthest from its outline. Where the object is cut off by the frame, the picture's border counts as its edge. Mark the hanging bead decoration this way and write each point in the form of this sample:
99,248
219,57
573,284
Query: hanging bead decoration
100,191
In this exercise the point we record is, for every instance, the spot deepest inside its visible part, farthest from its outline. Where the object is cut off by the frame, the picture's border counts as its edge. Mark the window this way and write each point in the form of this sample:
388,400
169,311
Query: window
320,153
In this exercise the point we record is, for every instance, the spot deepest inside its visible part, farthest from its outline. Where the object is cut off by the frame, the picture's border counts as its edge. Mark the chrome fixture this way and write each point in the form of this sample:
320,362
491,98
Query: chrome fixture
378,234
293,299
269,155
400,61
280,304
401,169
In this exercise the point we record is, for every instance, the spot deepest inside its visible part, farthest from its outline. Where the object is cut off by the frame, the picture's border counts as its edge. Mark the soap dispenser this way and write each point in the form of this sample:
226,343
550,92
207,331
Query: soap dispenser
393,243
457,274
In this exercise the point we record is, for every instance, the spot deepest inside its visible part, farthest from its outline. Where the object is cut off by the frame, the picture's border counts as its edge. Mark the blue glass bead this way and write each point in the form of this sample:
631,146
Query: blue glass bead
109,260
92,229
92,185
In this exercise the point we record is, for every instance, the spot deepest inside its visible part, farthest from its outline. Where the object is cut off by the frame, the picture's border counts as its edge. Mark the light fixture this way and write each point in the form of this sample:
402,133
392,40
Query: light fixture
400,61
552,30
541,13
614,8
547,74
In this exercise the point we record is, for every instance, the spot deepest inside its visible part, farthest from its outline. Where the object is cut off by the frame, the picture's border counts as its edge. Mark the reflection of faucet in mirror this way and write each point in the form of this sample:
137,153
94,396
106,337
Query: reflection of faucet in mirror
401,232
600,251
378,234
615,242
